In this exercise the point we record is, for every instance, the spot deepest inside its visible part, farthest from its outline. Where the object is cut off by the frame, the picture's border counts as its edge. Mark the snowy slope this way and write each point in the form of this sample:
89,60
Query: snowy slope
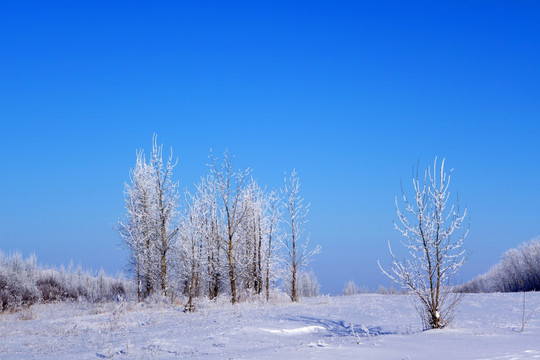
353,327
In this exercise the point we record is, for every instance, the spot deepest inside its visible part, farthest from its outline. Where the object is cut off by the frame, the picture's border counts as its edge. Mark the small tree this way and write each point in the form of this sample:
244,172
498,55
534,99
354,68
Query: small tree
350,288
436,253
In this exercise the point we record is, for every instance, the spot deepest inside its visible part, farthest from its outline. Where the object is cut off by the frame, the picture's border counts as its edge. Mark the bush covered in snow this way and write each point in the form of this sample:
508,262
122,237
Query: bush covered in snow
518,270
16,291
23,283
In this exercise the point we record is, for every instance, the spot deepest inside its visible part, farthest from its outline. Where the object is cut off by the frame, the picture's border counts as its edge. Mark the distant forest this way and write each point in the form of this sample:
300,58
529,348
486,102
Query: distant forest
518,270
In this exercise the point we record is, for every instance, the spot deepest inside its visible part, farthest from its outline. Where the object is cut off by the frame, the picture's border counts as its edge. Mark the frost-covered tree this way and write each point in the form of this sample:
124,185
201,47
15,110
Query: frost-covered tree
257,258
296,243
429,225
193,247
274,212
229,185
167,203
213,236
149,226
137,228
251,234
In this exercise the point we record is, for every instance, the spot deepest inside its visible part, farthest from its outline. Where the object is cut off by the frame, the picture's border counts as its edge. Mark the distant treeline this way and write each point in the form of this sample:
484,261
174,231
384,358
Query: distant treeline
24,283
518,270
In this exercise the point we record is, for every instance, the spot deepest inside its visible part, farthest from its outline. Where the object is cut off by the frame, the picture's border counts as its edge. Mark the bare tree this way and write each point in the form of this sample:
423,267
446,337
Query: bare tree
229,185
526,317
436,253
167,201
213,235
193,247
296,243
274,211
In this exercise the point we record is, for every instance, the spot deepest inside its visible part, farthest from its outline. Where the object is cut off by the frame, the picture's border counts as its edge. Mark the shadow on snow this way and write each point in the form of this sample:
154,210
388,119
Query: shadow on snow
345,328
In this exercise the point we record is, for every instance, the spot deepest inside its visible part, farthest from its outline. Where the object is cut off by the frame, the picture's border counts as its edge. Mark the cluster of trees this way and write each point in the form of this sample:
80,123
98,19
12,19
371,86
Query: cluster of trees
24,283
231,236
518,270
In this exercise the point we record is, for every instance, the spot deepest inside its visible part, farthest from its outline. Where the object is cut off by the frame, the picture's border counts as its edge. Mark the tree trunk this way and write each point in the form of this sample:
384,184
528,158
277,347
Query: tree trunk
294,296
163,256
231,272
139,280
149,266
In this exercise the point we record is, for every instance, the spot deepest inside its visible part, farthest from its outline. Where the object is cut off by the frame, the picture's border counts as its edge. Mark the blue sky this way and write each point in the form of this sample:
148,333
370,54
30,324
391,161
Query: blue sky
351,94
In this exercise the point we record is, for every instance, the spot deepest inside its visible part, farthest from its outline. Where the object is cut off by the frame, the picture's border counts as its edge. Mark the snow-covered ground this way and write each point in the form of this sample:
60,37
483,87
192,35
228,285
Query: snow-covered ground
354,327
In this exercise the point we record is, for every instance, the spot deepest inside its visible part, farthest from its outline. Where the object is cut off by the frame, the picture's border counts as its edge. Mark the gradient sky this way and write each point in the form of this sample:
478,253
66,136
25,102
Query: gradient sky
352,94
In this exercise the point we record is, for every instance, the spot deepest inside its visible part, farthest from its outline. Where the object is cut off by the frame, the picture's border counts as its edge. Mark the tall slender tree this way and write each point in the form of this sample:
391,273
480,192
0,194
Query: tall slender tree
229,184
149,227
167,201
274,210
136,229
193,247
296,242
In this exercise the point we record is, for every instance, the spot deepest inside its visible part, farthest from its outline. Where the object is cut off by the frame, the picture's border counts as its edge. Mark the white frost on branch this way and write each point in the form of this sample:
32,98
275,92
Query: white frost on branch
428,225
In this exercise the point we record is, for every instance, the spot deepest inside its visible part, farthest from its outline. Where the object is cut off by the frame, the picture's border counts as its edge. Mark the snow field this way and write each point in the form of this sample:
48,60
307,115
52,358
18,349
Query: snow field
364,326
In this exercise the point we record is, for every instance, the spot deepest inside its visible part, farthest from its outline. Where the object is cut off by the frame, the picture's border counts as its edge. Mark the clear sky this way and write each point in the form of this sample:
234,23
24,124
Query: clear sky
352,94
